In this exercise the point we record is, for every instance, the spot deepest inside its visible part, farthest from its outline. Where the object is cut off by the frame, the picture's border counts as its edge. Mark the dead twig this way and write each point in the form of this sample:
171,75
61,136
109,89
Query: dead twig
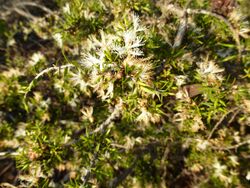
182,28
7,185
117,180
114,115
23,4
230,26
23,13
45,72
21,9
88,173
219,122
236,146
178,11
4,154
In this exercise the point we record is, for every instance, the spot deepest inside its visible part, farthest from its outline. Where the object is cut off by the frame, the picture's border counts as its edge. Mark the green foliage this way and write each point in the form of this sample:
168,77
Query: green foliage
121,93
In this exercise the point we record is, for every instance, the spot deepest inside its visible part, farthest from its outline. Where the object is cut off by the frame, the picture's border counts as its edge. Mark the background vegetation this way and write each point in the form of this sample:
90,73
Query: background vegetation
124,93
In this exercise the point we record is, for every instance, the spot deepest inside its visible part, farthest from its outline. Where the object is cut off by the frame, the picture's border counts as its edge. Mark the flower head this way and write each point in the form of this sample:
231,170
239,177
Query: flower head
35,58
77,79
58,39
209,71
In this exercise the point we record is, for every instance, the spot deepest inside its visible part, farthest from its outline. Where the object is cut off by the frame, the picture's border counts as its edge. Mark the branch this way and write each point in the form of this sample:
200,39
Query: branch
45,9
102,129
20,8
24,14
230,26
7,153
113,116
219,122
177,11
117,180
182,28
233,146
92,163
7,185
45,72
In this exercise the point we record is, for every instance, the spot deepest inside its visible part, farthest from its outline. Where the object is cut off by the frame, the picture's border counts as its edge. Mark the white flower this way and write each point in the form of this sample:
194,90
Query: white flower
88,113
136,23
83,172
234,160
236,137
130,142
202,144
20,132
197,124
182,95
180,80
244,32
210,71
91,61
88,15
219,173
66,8
132,41
145,117
35,58
209,68
74,100
105,43
12,72
142,69
109,93
59,85
11,42
131,47
77,79
248,176
196,167
219,169
94,78
66,139
129,37
58,39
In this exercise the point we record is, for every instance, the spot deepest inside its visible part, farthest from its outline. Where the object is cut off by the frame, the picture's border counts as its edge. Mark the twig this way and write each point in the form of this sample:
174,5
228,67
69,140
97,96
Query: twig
233,116
176,10
164,158
3,154
24,14
92,163
45,9
237,145
219,122
182,28
20,8
7,185
233,146
45,72
6,169
230,26
102,128
113,116
115,182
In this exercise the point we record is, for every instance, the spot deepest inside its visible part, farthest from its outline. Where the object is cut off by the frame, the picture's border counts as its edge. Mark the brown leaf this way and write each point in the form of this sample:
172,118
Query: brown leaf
193,89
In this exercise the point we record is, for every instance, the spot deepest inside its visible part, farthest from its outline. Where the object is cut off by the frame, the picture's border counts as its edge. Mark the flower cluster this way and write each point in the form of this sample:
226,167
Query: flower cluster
210,72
